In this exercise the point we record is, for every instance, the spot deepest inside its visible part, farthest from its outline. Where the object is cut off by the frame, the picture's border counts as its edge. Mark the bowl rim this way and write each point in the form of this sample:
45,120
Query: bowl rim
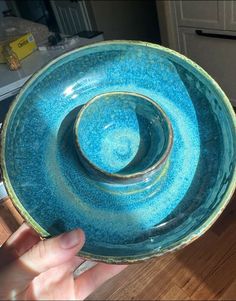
115,176
121,259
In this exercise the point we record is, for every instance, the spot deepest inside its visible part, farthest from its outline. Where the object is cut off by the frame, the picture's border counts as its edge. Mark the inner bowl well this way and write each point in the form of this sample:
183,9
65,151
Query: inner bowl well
123,135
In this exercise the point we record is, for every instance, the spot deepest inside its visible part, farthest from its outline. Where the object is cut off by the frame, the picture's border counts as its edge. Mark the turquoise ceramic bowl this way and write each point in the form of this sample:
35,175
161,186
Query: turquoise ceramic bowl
123,222
122,137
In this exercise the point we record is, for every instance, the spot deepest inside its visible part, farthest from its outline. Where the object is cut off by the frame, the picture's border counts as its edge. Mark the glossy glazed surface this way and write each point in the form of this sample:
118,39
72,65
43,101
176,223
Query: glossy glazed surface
122,134
122,222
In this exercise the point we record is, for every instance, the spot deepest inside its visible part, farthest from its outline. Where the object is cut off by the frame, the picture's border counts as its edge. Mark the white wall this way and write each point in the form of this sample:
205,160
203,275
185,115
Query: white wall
168,25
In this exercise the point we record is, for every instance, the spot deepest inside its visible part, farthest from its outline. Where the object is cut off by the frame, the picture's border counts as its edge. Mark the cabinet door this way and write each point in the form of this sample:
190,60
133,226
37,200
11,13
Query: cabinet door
73,16
206,14
216,55
230,13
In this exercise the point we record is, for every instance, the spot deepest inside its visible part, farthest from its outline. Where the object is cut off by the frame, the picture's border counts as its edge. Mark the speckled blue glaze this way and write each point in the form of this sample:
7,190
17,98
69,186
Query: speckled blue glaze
43,174
124,134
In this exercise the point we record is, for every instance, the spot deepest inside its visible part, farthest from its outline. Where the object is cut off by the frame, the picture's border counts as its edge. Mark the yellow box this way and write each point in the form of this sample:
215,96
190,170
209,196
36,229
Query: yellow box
22,46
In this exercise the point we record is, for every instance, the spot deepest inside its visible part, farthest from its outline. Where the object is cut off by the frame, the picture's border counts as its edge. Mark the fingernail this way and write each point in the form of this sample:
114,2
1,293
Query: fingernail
70,240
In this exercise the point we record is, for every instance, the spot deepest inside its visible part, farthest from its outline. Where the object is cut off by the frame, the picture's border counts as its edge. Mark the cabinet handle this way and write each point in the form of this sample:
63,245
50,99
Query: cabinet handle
215,35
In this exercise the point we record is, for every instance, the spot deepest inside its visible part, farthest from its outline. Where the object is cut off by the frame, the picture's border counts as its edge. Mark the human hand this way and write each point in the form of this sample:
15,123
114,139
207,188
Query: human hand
34,269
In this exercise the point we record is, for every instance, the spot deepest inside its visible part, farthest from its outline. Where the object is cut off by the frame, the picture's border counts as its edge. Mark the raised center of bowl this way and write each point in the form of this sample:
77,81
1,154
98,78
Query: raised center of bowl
123,135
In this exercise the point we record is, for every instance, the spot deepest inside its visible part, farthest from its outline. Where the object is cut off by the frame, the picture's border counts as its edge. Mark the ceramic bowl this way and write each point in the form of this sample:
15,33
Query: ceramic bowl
123,222
122,137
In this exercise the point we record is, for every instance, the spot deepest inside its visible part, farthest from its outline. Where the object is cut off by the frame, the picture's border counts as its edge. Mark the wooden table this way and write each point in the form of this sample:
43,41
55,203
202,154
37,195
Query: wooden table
204,270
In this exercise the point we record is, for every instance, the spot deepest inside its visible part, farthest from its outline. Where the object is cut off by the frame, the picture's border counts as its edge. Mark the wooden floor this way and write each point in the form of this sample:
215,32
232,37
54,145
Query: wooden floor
205,270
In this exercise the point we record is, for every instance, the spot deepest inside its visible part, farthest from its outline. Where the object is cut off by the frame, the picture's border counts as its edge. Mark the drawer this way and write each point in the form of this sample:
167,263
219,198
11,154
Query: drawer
205,14
217,55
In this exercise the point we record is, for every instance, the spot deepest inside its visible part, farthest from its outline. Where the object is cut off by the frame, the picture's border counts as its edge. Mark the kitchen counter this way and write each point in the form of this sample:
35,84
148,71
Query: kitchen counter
12,81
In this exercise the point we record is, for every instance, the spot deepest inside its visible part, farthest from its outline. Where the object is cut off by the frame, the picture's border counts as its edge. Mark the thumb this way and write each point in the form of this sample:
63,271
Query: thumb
53,252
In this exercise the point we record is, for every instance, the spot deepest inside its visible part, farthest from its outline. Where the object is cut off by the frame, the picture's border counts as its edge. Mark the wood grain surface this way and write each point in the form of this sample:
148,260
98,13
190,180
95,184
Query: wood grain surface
204,270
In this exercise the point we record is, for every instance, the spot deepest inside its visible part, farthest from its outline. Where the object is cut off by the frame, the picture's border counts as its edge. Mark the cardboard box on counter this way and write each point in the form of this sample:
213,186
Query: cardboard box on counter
22,46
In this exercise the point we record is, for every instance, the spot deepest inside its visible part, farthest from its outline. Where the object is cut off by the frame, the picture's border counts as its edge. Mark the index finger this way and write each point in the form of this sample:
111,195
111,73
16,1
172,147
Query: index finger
18,243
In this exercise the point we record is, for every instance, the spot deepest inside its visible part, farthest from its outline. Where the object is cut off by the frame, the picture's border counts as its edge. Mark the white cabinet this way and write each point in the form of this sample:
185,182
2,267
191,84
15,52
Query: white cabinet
73,16
205,14
206,33
216,55
210,14
230,14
